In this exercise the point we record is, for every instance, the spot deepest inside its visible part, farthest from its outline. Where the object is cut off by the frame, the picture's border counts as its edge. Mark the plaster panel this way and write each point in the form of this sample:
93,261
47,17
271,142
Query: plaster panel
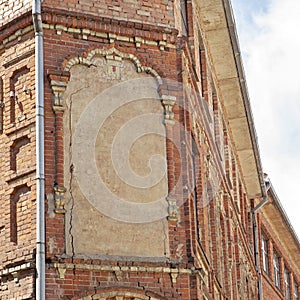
128,161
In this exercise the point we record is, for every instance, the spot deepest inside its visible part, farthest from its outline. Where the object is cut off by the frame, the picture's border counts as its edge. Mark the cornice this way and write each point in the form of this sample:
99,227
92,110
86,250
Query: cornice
84,20
87,26
16,27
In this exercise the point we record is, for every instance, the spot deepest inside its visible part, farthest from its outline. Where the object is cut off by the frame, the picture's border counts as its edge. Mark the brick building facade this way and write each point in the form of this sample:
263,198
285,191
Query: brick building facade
152,169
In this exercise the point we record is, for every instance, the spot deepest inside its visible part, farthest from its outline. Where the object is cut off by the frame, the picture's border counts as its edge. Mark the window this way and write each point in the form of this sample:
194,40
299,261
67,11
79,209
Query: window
287,284
276,269
296,288
264,253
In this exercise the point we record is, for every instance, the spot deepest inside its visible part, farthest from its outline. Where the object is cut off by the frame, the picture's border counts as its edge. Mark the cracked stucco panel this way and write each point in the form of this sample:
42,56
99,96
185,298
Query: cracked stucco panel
88,230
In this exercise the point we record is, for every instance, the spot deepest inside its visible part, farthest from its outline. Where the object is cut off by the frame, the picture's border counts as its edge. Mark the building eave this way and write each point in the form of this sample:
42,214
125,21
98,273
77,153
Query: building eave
281,225
219,33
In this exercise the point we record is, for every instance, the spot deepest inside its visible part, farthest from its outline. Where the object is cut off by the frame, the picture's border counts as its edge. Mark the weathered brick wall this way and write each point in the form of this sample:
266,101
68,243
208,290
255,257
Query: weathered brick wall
159,12
153,49
270,290
65,40
10,9
144,278
210,234
20,285
17,166
76,45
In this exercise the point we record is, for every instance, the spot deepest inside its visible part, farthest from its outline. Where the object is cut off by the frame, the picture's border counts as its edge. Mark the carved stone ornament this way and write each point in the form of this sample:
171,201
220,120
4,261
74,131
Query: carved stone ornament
174,276
58,88
173,209
168,103
61,272
59,199
58,83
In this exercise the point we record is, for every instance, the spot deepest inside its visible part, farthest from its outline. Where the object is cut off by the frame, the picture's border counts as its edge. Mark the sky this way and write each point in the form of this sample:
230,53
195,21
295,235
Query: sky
268,32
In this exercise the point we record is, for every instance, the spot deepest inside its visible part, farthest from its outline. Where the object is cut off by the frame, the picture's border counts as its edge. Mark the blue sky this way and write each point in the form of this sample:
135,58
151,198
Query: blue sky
245,10
270,45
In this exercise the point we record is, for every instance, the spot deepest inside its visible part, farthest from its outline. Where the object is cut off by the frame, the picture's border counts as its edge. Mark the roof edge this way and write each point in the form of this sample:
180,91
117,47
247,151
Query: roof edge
244,90
276,202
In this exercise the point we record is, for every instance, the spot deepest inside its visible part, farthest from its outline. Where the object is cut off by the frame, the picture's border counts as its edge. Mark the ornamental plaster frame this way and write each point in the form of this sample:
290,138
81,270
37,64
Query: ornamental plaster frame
112,52
58,84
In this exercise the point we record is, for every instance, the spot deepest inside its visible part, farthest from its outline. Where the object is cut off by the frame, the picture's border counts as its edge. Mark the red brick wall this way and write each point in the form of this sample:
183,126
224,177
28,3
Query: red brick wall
211,246
103,276
153,12
275,245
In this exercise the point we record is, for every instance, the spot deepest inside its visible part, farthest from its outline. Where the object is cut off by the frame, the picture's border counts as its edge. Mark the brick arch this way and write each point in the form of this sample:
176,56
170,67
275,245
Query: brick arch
120,294
16,86
15,149
14,211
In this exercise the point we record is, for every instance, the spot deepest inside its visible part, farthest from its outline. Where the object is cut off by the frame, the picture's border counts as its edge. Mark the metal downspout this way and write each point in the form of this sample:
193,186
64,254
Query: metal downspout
40,175
255,234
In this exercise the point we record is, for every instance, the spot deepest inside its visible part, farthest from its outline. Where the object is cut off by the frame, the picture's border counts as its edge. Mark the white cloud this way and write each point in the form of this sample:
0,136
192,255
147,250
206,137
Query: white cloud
270,43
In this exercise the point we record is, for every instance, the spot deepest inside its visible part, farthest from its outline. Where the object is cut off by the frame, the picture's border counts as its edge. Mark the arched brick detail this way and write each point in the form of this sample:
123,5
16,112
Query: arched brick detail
120,294
14,210
17,81
15,148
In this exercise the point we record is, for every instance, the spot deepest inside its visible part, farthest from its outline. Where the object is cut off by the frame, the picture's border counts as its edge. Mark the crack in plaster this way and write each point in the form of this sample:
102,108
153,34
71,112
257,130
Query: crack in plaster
71,172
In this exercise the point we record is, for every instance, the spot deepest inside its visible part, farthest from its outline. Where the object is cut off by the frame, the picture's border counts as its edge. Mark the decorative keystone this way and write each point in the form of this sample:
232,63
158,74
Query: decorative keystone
85,33
168,103
61,272
60,29
162,45
138,41
174,276
112,37
172,209
59,199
